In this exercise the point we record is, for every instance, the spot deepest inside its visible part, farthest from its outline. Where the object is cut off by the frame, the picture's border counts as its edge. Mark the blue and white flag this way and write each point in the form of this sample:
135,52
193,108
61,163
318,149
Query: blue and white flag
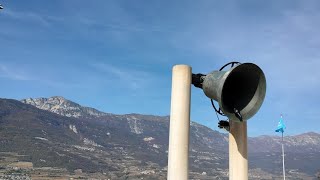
281,126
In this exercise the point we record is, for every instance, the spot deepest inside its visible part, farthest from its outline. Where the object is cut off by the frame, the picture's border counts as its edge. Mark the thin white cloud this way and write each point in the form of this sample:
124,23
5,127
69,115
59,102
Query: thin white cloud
26,16
130,26
133,79
9,73
25,74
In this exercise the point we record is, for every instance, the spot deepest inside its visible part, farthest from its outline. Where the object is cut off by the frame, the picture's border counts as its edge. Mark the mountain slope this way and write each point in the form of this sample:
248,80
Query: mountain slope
114,145
41,136
135,146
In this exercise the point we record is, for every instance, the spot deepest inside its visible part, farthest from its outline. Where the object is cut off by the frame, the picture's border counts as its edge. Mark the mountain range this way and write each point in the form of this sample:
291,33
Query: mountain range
43,138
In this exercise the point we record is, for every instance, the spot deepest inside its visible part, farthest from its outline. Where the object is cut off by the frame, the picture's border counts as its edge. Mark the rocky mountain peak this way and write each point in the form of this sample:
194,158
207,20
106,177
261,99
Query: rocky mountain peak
57,98
63,106
310,134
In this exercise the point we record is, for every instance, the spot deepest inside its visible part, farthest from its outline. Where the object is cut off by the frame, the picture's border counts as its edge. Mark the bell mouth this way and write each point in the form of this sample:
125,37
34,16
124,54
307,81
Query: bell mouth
244,90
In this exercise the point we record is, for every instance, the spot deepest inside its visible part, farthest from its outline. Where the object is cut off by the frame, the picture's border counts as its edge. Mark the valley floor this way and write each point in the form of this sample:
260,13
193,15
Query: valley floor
13,169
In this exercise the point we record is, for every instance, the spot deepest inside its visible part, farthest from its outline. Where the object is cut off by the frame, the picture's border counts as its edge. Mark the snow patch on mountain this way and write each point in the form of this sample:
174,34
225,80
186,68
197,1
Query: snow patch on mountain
135,125
156,146
41,138
73,128
84,148
146,139
87,141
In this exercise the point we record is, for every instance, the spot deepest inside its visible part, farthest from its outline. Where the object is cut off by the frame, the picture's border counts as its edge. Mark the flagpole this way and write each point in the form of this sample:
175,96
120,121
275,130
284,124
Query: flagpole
284,172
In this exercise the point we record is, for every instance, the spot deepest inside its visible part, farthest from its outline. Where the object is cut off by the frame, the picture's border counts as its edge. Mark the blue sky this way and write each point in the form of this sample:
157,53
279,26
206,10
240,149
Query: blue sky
117,56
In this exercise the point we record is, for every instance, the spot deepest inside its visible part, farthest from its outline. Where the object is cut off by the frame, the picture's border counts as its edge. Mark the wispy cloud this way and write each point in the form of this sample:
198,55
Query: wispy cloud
27,16
24,74
122,26
10,73
132,79
286,46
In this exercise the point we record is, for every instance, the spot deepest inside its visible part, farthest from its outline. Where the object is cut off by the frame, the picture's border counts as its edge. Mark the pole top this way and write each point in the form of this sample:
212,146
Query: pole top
180,66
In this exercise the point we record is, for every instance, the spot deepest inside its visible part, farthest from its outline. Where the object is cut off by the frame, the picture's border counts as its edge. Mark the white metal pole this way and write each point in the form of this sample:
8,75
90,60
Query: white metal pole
283,168
178,155
238,151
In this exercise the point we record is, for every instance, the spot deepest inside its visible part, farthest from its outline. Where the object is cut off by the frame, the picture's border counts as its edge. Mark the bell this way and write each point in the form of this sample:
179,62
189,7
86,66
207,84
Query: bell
239,91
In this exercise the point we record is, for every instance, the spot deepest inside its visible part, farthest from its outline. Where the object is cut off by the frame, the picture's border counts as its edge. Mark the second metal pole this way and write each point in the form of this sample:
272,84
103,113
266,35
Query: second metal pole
238,151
